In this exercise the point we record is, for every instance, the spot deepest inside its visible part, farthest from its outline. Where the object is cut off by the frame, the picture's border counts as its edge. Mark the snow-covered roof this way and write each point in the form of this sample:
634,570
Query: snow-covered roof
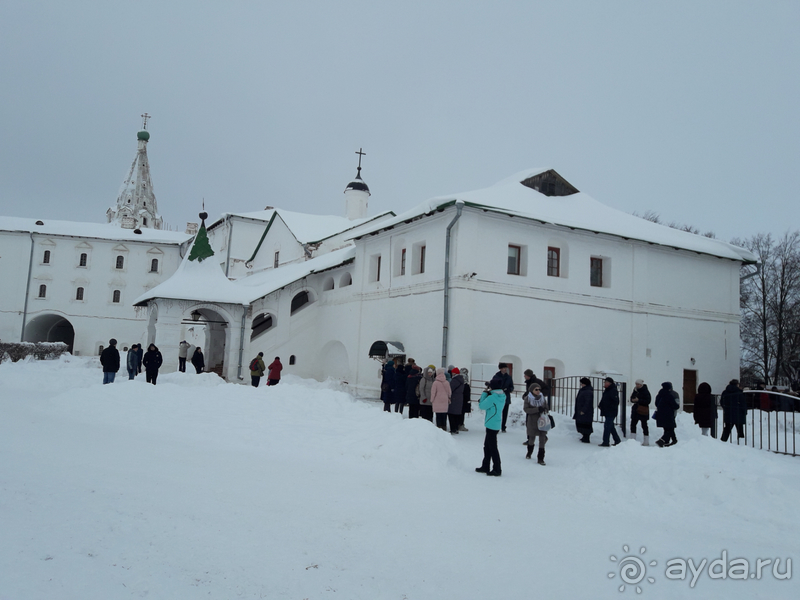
205,281
308,228
104,231
577,211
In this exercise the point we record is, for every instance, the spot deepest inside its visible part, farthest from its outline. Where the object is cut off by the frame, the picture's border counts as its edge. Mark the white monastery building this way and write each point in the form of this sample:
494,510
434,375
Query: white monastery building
529,271
76,282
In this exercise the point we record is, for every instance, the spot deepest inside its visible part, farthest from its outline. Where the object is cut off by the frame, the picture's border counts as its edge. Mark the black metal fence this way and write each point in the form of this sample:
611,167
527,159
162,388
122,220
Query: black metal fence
770,423
564,389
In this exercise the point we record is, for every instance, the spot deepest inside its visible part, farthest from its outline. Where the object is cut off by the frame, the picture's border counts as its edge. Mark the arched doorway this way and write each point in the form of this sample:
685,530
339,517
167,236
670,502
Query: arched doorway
214,329
334,362
50,328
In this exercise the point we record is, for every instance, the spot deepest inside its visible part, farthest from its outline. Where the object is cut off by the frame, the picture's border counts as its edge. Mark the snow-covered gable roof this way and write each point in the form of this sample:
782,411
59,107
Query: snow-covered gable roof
103,231
308,228
205,282
576,211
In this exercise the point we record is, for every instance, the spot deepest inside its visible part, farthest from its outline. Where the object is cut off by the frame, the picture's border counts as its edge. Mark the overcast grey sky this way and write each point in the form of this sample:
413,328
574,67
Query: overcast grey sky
689,109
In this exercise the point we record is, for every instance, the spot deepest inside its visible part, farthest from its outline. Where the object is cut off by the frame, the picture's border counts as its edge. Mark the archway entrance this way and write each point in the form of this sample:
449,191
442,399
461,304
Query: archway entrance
50,328
211,327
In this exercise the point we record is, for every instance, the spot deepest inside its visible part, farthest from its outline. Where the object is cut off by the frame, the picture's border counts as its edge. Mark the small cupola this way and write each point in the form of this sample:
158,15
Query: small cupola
357,194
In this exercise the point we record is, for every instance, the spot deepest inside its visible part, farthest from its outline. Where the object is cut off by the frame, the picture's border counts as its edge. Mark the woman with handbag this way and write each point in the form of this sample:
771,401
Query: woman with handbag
535,406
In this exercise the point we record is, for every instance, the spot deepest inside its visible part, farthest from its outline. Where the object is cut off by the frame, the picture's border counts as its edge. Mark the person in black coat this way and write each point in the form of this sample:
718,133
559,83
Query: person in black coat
734,410
412,381
198,360
109,358
152,361
387,385
400,377
584,409
139,356
666,407
705,408
609,408
508,387
640,410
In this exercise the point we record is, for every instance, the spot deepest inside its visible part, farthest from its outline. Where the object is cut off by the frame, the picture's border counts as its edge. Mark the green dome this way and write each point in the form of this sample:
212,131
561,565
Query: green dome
143,135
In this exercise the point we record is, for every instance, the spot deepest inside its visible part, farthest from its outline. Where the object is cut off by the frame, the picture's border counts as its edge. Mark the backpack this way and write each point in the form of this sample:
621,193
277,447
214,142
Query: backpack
254,364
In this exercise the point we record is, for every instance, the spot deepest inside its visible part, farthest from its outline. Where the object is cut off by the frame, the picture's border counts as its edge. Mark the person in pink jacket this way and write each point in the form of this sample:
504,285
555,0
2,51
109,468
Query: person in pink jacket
440,398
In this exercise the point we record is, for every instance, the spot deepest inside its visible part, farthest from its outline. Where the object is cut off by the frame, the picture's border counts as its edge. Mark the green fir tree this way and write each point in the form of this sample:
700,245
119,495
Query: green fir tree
201,249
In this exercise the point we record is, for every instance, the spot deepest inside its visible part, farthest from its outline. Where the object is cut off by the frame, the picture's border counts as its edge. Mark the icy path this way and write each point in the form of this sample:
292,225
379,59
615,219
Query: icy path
199,489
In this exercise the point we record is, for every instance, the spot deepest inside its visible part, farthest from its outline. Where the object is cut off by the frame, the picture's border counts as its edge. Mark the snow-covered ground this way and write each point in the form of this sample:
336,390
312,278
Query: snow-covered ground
199,489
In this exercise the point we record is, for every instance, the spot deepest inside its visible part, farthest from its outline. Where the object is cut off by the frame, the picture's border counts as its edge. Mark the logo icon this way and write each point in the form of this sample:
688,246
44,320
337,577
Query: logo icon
632,569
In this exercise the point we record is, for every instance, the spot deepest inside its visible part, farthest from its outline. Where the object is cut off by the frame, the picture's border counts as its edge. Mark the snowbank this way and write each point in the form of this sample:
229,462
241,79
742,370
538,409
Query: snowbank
197,488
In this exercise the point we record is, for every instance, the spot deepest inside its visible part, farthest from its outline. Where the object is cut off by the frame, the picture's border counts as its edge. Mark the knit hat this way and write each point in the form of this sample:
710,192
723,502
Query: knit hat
640,382
496,384
529,373
112,342
261,354
666,385
432,367
455,371
585,381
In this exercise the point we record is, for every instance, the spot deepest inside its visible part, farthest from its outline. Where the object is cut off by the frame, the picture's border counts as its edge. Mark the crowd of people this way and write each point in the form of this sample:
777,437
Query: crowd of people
151,360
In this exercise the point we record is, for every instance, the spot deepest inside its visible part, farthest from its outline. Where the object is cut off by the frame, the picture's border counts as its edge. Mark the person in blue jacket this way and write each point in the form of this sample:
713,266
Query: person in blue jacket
492,401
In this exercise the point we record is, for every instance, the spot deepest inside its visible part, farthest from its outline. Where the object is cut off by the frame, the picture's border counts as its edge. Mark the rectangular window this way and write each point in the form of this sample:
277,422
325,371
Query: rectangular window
422,259
403,261
120,263
84,258
42,291
596,272
116,297
46,257
553,262
378,271
154,265
277,259
514,253
79,294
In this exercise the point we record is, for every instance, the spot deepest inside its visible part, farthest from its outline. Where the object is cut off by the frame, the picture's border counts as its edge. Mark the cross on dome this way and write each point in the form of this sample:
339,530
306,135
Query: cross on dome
145,116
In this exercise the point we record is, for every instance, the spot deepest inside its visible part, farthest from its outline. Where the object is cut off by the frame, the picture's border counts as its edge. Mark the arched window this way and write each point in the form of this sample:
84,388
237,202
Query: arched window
345,280
46,257
144,220
292,359
43,291
299,301
84,259
154,265
261,324
120,262
79,294
116,297
328,284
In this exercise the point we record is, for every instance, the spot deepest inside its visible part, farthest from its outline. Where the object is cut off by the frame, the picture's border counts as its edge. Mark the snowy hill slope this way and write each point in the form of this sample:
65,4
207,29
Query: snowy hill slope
200,489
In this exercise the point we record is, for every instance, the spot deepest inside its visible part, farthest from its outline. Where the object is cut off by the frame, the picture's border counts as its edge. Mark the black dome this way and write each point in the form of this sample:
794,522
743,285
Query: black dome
357,184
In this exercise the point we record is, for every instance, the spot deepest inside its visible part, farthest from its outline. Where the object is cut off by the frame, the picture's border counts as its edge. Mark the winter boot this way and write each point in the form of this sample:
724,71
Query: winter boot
494,473
585,438
530,451
660,443
540,456
646,441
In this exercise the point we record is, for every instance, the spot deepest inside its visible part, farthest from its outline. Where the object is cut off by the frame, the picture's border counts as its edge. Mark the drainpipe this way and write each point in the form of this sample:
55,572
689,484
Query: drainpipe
228,257
241,340
27,293
445,325
753,274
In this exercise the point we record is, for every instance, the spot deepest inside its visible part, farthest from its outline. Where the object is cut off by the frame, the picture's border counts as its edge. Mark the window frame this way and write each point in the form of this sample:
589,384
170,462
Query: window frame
276,261
596,271
42,290
422,259
154,263
518,265
116,297
551,272
79,293
83,259
402,262
46,257
119,263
